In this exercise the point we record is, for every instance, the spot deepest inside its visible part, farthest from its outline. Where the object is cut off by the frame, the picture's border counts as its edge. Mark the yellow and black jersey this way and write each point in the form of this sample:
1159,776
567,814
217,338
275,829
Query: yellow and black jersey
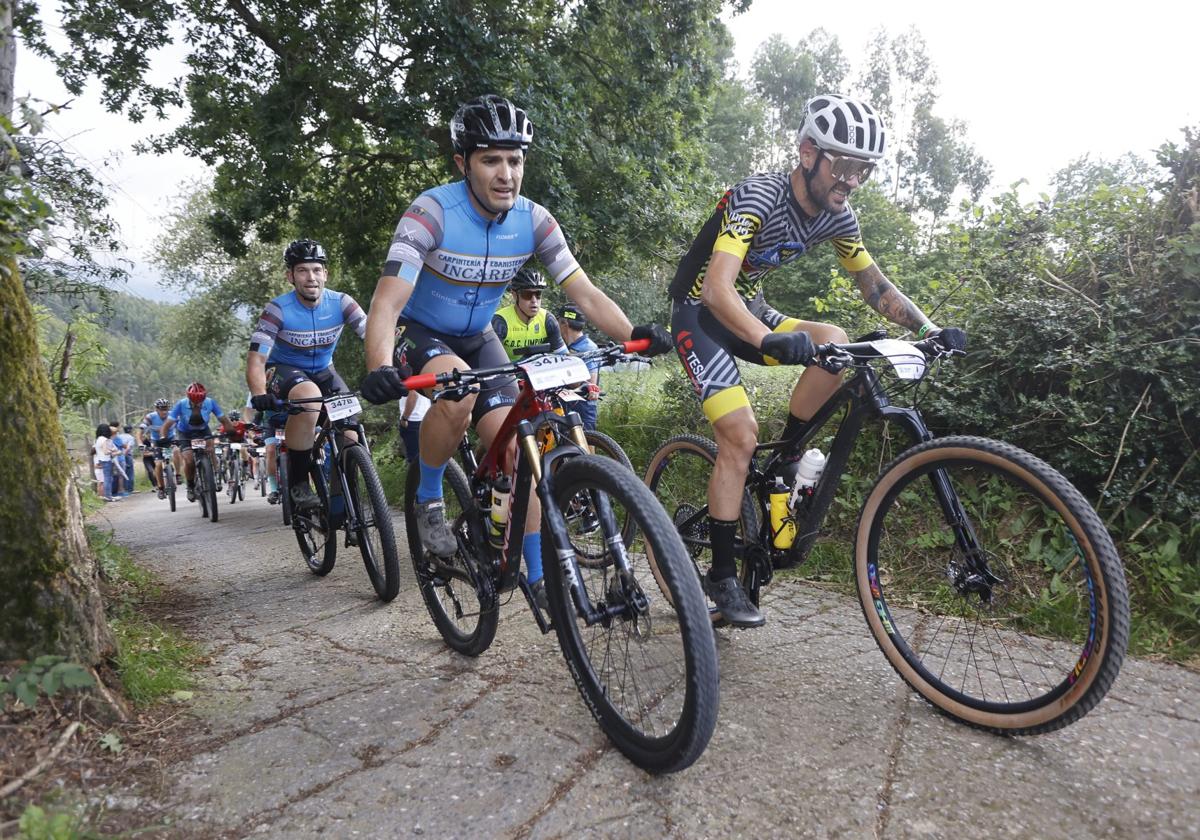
761,222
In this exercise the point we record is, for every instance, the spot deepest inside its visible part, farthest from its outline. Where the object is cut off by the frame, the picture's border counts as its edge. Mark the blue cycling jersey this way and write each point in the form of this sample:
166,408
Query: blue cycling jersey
182,413
461,262
583,344
154,423
290,333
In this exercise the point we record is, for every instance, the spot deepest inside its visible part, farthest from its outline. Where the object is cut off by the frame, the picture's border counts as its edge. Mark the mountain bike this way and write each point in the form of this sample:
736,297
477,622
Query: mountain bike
985,577
644,665
206,480
169,483
254,450
351,495
234,477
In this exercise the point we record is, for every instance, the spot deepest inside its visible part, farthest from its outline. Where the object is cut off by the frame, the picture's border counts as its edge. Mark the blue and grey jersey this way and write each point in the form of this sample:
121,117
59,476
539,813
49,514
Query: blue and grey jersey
461,262
291,333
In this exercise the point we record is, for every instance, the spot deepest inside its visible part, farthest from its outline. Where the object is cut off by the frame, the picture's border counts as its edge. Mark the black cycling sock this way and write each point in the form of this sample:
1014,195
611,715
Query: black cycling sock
298,466
722,533
793,427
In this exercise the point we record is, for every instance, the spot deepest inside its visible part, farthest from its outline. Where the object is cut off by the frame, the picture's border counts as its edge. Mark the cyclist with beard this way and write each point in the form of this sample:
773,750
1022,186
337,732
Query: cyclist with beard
291,355
453,254
719,314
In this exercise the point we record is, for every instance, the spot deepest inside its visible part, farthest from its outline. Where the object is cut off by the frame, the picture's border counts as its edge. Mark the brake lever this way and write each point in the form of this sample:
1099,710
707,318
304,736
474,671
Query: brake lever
457,393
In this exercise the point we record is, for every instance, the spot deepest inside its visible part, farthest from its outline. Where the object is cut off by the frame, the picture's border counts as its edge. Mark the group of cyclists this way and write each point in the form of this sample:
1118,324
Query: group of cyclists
458,248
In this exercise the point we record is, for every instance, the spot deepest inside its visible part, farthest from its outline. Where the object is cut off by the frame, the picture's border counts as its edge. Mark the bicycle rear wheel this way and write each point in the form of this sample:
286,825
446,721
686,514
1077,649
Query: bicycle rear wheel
376,535
647,672
678,476
1022,635
315,535
465,619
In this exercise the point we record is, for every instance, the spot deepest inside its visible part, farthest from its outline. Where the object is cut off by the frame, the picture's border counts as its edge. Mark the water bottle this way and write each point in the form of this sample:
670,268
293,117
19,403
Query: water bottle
498,518
807,476
783,527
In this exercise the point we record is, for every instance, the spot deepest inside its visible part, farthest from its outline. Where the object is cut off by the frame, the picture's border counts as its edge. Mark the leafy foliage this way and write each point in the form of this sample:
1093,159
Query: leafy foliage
46,675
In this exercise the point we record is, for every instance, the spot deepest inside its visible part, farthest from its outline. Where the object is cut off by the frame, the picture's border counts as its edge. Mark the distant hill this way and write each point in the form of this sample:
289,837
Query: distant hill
144,361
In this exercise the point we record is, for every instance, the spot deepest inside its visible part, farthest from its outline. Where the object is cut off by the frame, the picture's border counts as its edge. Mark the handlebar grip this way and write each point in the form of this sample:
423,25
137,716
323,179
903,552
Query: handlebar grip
636,346
420,381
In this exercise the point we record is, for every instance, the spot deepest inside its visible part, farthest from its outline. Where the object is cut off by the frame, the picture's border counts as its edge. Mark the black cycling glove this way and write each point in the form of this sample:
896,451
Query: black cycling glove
952,338
382,385
660,339
263,402
788,348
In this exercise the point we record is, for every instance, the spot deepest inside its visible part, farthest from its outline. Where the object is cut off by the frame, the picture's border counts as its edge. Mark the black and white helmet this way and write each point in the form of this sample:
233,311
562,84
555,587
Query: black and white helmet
302,251
161,403
490,121
840,124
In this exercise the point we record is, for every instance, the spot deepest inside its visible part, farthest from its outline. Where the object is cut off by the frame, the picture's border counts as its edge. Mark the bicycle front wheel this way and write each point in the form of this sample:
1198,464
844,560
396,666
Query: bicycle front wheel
209,485
232,484
991,586
647,670
678,476
169,483
466,619
376,536
285,495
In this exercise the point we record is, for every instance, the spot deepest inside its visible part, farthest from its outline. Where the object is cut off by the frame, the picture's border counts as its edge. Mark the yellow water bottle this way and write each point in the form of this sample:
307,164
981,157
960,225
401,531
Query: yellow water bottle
783,527
498,518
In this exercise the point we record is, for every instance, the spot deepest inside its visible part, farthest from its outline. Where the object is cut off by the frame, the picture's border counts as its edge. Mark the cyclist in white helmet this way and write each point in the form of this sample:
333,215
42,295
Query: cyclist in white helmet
719,314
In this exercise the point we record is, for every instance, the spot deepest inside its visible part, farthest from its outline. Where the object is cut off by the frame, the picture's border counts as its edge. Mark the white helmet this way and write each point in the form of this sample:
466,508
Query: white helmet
840,124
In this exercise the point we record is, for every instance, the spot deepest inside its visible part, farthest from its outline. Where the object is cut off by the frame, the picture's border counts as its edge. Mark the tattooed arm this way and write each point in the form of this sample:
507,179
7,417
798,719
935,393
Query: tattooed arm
887,300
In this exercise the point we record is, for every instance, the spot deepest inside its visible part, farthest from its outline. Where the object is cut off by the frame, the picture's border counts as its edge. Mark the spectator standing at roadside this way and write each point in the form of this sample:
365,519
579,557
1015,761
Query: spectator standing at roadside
572,322
124,441
106,451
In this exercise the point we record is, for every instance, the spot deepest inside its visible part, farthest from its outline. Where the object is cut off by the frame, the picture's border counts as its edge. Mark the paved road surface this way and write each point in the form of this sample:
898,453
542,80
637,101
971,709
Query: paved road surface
326,714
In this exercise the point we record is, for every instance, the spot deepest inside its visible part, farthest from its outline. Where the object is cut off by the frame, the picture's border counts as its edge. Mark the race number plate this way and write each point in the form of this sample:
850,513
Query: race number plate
555,371
236,446
199,443
908,361
341,407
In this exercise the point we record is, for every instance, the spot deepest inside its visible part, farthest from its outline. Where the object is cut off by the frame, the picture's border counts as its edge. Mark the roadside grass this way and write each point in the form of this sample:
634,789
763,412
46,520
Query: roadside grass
154,661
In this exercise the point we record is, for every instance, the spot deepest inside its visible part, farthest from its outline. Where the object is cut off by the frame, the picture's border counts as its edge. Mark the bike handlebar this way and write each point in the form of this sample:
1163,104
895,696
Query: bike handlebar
421,381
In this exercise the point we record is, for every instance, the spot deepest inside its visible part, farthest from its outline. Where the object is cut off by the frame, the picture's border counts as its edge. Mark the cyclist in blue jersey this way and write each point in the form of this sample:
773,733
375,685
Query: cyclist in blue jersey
453,254
573,321
190,419
291,355
153,423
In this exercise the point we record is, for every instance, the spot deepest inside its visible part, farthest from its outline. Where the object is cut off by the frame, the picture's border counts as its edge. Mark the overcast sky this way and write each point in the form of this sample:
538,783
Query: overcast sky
1039,84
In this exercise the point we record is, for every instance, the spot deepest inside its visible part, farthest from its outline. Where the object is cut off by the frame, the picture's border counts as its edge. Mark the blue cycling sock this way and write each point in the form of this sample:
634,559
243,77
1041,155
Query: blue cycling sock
431,482
531,547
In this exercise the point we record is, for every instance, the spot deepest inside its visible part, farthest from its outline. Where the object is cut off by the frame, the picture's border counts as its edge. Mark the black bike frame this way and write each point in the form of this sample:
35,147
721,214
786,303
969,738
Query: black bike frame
333,432
863,399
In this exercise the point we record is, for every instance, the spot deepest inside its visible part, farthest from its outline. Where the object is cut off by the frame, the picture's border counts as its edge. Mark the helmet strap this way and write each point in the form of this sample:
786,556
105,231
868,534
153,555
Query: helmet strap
498,216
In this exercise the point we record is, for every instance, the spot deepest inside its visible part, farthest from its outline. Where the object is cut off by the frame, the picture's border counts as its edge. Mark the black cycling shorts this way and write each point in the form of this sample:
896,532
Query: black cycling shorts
417,345
281,379
707,350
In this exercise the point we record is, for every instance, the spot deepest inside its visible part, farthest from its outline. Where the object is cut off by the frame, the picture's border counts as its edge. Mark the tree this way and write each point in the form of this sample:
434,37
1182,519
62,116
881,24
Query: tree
336,141
49,599
786,77
928,157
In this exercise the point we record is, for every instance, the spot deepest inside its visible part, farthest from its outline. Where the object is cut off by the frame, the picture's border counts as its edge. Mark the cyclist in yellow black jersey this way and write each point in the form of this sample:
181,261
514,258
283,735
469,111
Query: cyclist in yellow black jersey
719,314
524,322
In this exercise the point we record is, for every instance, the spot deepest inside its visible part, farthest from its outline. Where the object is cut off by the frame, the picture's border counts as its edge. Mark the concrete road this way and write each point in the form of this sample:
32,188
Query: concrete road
324,713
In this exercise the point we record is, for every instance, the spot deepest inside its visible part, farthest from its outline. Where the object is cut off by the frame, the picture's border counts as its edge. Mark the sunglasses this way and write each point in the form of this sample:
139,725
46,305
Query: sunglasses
844,167
528,294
